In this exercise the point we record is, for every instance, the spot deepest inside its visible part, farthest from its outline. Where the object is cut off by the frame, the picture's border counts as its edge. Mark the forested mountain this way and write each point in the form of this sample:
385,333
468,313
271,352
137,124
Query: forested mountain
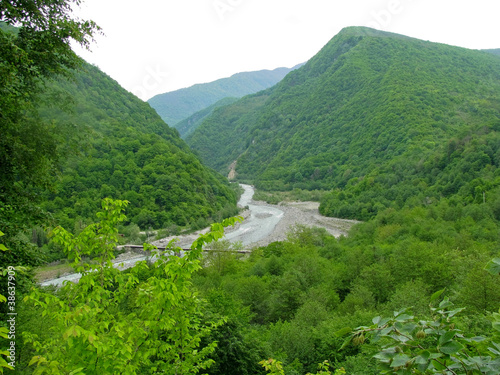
131,155
178,105
381,118
384,120
188,125
495,51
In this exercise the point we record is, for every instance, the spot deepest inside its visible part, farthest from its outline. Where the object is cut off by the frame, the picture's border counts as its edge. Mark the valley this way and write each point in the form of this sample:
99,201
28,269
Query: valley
263,224
379,255
378,119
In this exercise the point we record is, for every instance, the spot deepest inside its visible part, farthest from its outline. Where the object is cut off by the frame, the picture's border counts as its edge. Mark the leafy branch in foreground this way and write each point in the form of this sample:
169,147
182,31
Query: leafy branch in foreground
146,320
413,346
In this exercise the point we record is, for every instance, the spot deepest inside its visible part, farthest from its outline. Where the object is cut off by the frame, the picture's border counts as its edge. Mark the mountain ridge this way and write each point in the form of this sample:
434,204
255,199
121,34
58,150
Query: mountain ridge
178,105
189,124
130,154
366,102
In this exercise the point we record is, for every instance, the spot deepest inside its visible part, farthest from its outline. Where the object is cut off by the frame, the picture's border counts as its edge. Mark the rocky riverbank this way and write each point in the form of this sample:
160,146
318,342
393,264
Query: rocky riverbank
294,213
307,214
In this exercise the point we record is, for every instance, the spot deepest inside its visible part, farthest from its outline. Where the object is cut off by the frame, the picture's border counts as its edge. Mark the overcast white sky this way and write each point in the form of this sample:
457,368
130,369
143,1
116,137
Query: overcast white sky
156,46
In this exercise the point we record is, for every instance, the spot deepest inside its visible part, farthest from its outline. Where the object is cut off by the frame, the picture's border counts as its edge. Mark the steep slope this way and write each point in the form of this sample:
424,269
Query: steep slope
131,154
371,111
178,105
189,125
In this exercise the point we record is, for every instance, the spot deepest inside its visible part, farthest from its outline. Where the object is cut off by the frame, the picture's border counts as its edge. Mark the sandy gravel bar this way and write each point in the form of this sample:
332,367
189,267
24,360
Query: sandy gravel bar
307,214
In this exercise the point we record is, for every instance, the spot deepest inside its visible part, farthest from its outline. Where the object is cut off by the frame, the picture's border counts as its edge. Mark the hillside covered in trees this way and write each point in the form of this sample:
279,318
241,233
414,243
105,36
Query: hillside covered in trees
189,125
132,155
381,119
409,144
404,135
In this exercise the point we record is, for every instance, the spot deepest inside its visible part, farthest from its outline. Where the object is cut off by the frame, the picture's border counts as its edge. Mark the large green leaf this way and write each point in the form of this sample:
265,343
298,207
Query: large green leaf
446,337
493,266
400,360
451,347
437,294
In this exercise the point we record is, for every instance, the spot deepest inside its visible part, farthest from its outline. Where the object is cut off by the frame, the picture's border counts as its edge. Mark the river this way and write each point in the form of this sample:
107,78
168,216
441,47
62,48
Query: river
259,224
263,224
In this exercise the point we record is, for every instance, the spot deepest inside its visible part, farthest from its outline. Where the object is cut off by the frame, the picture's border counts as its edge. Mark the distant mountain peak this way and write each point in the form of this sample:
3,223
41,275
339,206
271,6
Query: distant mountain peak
368,31
178,105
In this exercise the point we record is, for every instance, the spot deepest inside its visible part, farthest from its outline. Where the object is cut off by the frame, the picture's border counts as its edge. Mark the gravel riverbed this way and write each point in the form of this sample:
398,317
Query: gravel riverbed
307,214
294,213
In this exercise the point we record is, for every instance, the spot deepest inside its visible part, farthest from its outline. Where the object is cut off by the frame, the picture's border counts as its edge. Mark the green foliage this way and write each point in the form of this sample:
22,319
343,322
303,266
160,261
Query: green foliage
189,124
493,266
293,195
379,120
121,322
238,349
403,143
300,291
410,345
275,367
131,155
70,143
181,104
215,141
35,40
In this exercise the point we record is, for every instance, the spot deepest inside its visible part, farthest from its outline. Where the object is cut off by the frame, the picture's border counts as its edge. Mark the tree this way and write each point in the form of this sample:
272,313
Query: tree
411,345
275,367
146,320
35,37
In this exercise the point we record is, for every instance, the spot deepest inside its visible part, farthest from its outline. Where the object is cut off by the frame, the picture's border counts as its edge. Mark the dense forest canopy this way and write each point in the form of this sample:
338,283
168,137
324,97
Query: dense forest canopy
404,131
35,39
72,136
189,124
132,155
372,112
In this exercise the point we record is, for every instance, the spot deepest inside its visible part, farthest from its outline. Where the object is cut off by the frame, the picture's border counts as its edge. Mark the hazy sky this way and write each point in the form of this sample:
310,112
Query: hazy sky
156,46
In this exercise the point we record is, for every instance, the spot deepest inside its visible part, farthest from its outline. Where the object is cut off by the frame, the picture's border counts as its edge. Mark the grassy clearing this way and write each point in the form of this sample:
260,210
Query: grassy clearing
48,272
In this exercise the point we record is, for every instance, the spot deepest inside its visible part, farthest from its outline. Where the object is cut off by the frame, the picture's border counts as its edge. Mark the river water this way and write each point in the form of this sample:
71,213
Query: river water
260,224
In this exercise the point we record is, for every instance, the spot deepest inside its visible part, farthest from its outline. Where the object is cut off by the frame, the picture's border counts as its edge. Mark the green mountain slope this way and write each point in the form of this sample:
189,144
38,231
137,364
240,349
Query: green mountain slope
131,155
493,51
178,105
189,125
379,117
